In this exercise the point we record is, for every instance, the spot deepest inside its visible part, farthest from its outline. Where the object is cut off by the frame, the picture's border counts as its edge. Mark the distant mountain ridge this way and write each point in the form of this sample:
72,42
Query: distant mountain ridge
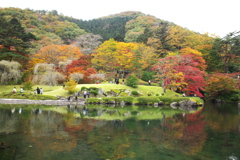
49,27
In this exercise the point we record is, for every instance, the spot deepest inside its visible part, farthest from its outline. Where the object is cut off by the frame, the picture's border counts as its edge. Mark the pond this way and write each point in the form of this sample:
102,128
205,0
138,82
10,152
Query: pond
41,132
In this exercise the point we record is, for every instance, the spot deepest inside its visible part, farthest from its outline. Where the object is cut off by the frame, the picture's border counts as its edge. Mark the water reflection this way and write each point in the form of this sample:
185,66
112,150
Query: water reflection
116,132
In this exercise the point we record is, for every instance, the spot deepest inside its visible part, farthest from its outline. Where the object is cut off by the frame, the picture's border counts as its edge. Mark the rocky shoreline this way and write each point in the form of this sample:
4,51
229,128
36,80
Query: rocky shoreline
43,102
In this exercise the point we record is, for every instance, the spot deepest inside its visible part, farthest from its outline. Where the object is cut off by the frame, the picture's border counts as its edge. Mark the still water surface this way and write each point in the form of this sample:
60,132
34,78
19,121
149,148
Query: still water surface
113,133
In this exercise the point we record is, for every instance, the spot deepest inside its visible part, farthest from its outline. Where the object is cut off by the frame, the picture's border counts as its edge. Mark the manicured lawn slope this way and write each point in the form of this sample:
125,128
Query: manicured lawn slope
107,87
60,91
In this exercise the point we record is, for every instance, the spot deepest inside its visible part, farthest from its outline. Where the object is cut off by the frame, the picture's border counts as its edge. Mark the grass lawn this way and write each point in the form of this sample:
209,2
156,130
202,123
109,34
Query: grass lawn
9,88
108,86
60,91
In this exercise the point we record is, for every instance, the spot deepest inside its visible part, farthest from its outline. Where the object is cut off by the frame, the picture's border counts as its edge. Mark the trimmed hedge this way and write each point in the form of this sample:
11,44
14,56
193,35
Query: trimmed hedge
94,92
93,88
83,88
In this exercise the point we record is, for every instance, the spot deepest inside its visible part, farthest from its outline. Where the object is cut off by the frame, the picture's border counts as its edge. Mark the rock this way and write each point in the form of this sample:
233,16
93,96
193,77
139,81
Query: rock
127,114
160,103
122,103
111,102
155,104
174,105
100,91
187,103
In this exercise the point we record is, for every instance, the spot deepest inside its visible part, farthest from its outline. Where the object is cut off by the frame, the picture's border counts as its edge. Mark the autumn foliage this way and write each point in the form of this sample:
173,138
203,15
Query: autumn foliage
183,72
53,54
80,65
220,85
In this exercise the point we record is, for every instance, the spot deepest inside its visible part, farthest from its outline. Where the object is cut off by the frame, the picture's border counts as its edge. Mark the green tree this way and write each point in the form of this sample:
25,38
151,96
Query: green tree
162,34
132,81
27,86
147,75
143,38
214,58
230,50
13,40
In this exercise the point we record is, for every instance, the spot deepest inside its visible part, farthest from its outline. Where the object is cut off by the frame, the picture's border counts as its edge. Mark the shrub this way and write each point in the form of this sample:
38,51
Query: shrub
84,88
27,86
130,100
95,93
93,88
148,100
71,86
149,93
132,81
135,93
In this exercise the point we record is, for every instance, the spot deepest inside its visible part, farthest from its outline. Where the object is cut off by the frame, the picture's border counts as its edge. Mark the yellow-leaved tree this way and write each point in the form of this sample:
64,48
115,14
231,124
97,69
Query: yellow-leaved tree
112,55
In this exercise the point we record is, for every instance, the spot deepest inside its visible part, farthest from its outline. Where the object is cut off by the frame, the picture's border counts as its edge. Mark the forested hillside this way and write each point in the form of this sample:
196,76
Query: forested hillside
37,44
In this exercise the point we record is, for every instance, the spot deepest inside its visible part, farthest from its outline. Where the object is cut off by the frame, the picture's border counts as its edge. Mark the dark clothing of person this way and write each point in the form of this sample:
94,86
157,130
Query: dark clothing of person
116,80
76,96
38,91
85,94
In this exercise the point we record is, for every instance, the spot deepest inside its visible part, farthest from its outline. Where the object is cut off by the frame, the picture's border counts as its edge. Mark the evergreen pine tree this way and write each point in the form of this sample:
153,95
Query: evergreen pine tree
13,40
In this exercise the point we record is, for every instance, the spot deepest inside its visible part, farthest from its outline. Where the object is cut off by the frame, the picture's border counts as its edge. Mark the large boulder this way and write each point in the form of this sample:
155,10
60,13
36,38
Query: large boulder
187,103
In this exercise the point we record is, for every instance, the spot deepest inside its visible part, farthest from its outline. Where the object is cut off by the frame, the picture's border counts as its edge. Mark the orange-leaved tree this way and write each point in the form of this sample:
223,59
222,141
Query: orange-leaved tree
56,53
87,73
80,65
